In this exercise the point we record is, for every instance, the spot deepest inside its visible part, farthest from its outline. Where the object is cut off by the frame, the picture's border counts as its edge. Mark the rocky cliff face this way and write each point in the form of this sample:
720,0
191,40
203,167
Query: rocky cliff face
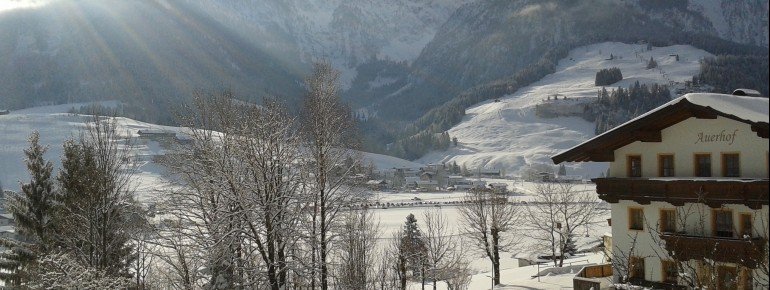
742,21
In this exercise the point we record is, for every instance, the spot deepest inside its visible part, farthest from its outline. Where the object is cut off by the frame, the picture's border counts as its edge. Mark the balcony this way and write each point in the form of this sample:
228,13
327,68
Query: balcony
714,192
746,252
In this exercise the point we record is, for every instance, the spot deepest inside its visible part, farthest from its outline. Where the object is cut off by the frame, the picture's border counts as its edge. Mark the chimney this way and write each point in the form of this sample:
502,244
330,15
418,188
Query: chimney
747,93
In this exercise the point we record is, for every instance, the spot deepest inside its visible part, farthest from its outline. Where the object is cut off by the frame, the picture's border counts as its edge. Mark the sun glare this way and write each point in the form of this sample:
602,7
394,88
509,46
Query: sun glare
7,5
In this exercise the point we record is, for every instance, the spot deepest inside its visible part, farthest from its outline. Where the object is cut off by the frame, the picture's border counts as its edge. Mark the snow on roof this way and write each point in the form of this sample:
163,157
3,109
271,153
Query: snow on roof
752,109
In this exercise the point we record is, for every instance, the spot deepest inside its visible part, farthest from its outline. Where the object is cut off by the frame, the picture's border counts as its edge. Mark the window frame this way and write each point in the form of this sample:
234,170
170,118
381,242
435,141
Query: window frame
725,269
696,163
664,267
661,164
715,223
742,230
636,267
630,167
724,164
631,219
663,226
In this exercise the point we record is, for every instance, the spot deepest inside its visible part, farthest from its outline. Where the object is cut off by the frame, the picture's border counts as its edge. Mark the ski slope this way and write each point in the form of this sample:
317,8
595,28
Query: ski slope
508,135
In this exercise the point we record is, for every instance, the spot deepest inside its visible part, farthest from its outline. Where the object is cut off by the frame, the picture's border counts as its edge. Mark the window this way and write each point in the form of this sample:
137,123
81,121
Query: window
670,271
634,166
636,267
666,165
747,282
667,220
727,278
731,165
723,223
747,226
636,219
705,272
703,165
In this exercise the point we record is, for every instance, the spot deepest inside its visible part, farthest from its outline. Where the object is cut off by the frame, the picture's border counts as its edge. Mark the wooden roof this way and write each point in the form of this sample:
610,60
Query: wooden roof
647,128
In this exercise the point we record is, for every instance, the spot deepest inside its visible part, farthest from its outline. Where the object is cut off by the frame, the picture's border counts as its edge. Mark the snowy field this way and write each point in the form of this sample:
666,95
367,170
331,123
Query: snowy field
56,126
507,134
392,220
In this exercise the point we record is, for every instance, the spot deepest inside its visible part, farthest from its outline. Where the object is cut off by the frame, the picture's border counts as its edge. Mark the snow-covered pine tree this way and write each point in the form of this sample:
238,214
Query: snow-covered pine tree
413,245
31,210
96,204
570,247
651,64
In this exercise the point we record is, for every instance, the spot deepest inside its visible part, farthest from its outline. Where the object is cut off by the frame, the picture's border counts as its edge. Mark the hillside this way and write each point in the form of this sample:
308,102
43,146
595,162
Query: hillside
508,135
488,42
56,126
149,54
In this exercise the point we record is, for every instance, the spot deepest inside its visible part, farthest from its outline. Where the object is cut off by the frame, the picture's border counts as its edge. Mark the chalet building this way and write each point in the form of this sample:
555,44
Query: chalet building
688,188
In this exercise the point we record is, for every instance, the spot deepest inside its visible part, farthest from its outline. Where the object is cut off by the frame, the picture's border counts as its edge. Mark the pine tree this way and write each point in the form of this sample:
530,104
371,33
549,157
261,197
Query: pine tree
570,247
32,211
562,170
96,201
652,63
413,245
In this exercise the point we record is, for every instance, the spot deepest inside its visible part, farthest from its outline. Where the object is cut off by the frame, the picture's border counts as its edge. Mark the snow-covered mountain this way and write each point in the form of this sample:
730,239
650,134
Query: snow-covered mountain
348,32
506,134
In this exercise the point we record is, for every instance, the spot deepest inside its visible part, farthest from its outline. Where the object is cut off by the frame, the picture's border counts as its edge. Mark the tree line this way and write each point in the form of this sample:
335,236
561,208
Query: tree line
620,105
608,76
729,72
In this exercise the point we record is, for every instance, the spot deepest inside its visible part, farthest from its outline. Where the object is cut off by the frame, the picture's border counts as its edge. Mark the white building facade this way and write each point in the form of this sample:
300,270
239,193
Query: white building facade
688,187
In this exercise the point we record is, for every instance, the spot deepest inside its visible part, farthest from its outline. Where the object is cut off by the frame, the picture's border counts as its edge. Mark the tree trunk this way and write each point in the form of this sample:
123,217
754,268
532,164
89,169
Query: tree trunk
322,262
496,255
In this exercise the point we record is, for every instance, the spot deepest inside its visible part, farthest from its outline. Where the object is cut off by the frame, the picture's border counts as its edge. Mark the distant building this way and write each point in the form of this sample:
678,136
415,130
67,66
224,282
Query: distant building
498,187
494,173
378,185
4,112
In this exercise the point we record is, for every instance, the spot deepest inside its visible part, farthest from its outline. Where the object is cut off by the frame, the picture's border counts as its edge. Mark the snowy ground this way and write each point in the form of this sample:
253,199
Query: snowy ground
508,135
392,220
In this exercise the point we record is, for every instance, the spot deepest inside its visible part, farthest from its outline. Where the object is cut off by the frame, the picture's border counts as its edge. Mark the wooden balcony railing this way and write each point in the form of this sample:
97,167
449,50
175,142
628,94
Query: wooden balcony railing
746,252
713,192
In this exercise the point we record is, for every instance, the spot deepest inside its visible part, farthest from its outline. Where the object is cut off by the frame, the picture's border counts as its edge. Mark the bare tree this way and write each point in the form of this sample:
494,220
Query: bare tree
486,217
461,277
357,247
328,131
442,247
241,190
557,212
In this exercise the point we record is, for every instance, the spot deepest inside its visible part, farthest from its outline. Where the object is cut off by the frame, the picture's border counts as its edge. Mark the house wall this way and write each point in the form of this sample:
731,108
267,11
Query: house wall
682,140
698,222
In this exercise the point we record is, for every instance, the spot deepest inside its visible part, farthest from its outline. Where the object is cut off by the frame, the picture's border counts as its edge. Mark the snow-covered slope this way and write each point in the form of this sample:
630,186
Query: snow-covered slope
56,126
508,135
